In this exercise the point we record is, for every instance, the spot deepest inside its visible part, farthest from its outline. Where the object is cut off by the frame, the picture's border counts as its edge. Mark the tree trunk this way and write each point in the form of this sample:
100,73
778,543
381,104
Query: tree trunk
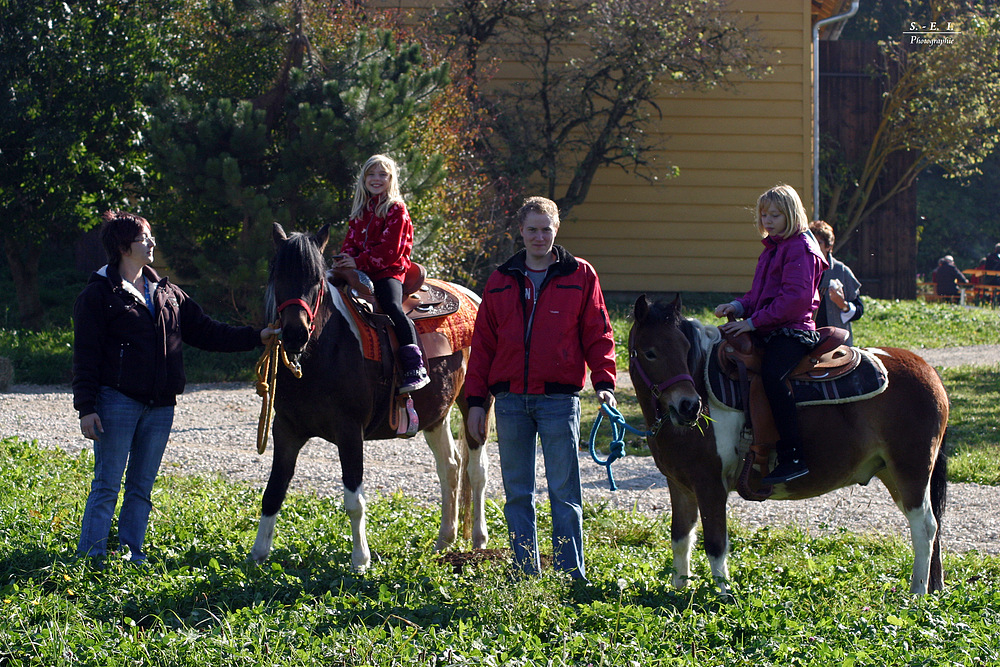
23,261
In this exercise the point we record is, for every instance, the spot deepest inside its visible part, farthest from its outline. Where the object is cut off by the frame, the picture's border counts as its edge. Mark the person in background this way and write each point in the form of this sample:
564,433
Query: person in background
127,371
947,276
840,300
992,264
541,324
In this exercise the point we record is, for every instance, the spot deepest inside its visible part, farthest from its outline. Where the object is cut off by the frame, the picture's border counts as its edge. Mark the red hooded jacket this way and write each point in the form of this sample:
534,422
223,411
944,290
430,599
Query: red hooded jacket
547,349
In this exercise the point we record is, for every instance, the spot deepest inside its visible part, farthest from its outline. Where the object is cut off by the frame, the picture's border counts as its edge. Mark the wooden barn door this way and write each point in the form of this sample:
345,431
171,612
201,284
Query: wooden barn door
882,251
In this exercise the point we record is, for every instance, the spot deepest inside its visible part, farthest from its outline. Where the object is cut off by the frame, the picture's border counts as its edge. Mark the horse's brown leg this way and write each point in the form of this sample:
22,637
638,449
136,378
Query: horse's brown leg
712,501
684,516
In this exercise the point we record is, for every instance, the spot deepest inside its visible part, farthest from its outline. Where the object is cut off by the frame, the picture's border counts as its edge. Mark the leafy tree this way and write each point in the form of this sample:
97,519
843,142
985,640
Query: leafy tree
286,147
943,110
70,122
594,71
959,217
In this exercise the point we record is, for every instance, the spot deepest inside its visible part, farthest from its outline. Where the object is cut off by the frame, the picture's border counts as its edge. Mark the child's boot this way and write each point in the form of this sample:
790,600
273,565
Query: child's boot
790,464
414,373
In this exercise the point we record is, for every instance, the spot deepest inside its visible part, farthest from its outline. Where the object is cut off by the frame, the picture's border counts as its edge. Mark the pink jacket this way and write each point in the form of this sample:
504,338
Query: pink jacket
784,291
380,247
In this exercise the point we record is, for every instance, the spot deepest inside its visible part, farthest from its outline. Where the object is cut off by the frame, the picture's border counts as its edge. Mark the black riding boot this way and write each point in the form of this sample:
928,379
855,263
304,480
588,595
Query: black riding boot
790,464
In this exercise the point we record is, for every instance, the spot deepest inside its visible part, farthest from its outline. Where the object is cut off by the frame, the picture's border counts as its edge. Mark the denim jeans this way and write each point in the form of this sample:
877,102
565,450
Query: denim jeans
555,421
135,436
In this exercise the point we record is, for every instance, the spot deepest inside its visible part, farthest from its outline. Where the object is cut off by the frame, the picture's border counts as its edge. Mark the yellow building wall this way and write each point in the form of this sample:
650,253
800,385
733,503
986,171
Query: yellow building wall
695,232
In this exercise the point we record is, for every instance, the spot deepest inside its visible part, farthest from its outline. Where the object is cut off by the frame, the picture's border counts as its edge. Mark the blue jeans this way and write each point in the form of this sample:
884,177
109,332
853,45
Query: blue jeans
134,435
555,421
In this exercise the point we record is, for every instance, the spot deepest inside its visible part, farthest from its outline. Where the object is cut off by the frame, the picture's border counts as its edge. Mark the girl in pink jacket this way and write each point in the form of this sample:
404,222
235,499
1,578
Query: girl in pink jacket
780,307
379,242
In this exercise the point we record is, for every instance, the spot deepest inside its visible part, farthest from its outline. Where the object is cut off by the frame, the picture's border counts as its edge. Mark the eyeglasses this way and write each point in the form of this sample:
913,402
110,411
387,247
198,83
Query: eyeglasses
144,239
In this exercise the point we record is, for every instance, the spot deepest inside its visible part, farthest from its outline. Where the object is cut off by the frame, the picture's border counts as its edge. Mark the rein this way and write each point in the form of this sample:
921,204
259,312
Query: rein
617,446
267,377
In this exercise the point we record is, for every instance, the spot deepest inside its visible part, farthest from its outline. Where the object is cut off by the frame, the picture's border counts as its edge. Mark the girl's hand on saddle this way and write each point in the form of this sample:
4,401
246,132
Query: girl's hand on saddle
344,261
725,309
736,327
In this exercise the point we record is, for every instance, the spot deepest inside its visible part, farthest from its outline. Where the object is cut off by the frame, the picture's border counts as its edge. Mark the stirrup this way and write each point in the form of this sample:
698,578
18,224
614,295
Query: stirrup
786,472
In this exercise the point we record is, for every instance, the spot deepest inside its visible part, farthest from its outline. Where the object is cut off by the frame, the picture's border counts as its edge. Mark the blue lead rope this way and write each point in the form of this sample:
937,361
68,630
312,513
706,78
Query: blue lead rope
617,447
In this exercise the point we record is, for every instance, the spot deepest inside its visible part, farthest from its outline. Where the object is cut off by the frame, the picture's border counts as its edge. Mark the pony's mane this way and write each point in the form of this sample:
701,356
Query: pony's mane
298,261
665,312
706,335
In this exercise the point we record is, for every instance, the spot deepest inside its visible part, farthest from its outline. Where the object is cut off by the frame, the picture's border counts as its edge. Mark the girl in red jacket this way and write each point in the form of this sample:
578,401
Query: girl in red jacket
780,306
379,242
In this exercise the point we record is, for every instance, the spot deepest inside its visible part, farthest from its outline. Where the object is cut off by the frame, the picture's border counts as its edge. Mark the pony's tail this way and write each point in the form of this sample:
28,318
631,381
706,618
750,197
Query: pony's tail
939,498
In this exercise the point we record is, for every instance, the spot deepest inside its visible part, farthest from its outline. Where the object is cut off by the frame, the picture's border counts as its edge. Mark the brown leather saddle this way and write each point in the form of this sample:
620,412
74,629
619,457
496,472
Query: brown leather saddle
421,300
740,358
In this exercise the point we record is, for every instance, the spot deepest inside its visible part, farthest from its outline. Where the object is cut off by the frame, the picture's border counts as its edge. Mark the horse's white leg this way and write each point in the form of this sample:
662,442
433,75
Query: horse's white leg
449,468
265,538
683,520
478,472
682,549
720,569
354,503
923,529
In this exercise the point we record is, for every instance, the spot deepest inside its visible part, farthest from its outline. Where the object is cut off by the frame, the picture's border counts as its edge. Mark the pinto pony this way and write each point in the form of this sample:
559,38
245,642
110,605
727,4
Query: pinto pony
897,436
338,398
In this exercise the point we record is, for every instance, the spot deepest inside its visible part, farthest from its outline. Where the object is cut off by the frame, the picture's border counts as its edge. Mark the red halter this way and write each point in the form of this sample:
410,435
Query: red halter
311,313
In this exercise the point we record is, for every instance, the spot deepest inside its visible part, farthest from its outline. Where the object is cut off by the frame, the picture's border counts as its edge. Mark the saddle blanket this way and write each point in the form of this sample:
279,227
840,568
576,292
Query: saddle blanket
867,380
439,336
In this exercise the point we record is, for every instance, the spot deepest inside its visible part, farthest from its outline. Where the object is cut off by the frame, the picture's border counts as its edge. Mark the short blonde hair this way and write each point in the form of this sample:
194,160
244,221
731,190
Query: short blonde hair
786,199
538,205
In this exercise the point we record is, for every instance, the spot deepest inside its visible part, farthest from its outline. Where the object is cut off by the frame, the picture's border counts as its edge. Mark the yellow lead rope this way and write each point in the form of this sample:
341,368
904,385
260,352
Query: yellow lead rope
267,377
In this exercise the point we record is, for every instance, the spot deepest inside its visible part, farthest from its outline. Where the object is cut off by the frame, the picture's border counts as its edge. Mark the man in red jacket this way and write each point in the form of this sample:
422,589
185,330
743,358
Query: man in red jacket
541,324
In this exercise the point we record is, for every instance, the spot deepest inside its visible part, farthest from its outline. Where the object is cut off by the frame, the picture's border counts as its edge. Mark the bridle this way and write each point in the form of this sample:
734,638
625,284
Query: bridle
657,389
311,313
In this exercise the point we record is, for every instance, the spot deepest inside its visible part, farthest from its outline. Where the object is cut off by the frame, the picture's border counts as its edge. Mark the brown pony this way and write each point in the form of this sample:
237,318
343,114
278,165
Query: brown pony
897,436
337,398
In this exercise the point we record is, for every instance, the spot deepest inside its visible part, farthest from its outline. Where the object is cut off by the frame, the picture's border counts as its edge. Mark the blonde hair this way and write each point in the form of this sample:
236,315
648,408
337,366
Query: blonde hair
392,193
538,205
787,201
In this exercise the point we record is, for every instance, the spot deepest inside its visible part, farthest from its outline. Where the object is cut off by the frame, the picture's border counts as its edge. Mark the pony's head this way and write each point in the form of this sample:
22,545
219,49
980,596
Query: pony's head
664,356
296,286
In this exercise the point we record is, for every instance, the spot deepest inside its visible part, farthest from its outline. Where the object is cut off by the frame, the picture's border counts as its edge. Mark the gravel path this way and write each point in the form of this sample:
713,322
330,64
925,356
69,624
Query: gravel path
215,431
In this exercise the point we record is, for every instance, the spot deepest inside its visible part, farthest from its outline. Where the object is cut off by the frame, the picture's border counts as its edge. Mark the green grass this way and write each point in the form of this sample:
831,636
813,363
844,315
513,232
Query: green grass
796,600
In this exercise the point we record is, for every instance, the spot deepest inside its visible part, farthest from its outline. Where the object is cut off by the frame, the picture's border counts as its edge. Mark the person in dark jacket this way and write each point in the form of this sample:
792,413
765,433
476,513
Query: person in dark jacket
127,371
947,275
992,263
542,322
